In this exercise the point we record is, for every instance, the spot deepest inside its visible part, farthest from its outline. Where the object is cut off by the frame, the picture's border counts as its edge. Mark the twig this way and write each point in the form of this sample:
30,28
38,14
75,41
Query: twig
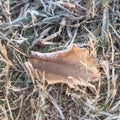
105,25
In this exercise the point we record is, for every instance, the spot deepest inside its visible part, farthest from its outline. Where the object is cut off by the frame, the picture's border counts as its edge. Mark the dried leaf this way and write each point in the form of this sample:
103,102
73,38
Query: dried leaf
73,66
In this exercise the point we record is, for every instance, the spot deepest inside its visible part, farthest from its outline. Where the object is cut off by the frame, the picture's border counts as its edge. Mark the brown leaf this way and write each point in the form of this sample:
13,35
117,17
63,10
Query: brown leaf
73,66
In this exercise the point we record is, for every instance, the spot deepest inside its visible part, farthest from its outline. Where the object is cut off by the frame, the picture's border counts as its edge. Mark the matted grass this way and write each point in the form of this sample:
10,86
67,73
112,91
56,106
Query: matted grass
51,25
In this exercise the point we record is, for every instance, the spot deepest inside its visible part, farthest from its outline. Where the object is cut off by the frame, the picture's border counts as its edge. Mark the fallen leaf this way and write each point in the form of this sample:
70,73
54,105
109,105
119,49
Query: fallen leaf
73,66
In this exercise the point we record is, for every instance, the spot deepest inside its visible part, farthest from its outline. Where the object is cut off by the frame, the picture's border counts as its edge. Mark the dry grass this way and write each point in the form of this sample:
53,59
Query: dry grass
47,25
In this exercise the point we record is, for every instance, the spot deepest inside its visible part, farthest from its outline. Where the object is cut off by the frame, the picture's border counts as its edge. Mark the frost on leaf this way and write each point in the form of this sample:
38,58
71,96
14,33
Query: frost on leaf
73,66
